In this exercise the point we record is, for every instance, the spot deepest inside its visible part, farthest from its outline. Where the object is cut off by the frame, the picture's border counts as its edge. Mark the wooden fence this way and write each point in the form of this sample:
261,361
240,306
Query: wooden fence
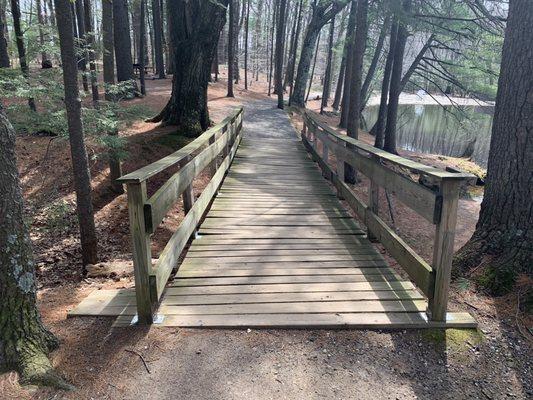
145,214
437,203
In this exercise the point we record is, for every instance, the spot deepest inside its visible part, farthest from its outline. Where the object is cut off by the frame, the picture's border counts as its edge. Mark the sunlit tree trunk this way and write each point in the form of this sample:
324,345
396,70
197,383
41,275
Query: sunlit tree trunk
503,239
196,26
78,152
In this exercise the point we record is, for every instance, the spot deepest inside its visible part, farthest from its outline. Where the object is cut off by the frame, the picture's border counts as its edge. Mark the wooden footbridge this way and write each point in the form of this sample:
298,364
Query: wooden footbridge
268,242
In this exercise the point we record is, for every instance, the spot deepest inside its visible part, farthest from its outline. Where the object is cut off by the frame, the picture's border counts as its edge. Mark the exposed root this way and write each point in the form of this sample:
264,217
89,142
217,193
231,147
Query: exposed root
36,369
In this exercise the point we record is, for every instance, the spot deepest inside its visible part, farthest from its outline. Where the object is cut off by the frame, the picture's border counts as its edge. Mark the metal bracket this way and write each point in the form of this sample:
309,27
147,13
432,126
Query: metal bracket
157,319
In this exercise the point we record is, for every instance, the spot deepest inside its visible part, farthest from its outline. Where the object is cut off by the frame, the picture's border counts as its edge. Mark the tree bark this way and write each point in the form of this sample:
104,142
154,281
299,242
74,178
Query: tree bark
272,30
80,163
246,29
321,15
82,54
158,39
45,60
24,341
4,54
354,103
327,75
196,26
231,47
293,52
374,63
280,37
122,39
142,45
504,233
395,84
21,48
89,43
379,127
108,45
350,34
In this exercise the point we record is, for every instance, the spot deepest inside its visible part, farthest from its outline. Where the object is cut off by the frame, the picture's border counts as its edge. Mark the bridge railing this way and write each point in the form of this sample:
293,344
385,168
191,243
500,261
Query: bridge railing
436,200
146,213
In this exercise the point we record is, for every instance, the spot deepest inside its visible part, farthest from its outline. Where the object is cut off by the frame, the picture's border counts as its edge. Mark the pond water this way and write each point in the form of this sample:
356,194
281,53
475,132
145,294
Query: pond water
445,130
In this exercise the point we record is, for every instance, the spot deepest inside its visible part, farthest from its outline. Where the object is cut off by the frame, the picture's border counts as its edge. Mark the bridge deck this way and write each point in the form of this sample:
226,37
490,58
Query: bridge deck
277,249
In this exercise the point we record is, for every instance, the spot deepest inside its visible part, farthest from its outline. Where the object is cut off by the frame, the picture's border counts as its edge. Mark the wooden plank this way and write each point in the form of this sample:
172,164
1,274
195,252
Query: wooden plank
343,223
264,280
275,247
244,213
254,298
365,261
230,252
220,239
388,320
316,321
175,158
361,306
192,272
289,287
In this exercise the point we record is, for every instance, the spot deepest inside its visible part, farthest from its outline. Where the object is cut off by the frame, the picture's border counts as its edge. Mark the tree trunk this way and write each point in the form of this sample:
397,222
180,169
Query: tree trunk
15,11
82,53
350,34
280,30
90,44
121,36
353,105
196,26
80,163
321,15
293,53
142,44
379,126
158,41
246,44
45,61
231,47
395,84
4,54
312,75
24,341
340,82
374,63
503,237
272,29
327,78
359,45
108,45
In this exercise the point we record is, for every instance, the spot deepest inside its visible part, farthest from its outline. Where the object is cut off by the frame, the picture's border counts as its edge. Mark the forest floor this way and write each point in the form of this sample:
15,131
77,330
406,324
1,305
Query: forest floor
127,363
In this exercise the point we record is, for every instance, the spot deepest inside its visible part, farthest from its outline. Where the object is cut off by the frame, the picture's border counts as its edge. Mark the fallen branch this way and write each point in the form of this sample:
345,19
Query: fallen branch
141,357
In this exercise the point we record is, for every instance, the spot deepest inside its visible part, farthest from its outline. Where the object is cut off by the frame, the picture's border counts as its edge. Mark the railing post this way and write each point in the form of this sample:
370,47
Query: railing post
214,164
325,152
142,257
443,248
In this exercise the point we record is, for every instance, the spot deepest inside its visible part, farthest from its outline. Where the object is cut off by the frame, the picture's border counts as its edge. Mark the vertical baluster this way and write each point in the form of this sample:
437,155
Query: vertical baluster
443,248
142,257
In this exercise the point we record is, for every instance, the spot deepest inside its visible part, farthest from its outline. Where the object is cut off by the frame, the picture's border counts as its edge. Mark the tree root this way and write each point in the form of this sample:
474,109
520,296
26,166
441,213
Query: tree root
37,370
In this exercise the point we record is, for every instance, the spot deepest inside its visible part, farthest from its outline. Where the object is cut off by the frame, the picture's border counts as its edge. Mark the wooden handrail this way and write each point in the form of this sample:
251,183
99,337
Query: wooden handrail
383,155
438,204
181,155
146,214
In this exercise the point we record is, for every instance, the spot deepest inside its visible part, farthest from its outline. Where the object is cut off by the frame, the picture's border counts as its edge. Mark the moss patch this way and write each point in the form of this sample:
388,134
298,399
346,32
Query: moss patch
174,141
454,338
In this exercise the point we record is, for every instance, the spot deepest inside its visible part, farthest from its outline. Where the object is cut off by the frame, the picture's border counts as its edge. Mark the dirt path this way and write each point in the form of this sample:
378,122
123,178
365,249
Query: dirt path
239,364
